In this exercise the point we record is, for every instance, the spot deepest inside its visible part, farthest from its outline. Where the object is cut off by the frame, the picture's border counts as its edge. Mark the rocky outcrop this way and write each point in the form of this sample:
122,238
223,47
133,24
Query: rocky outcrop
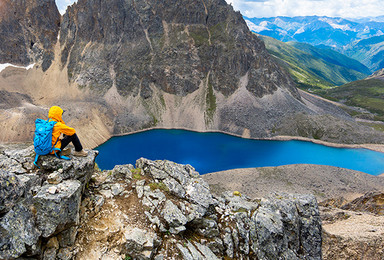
164,210
354,230
158,210
371,202
34,206
29,31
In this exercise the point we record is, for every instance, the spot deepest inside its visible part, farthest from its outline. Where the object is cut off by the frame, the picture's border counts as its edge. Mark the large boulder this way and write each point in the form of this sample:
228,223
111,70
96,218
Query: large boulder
18,231
11,190
57,206
287,226
38,204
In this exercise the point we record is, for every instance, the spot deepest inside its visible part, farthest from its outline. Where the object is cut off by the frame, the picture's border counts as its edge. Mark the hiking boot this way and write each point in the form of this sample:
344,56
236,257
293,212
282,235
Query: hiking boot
66,151
81,153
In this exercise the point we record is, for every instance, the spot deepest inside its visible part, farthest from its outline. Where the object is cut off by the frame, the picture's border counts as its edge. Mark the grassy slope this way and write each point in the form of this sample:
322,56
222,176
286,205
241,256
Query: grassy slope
332,57
368,94
307,70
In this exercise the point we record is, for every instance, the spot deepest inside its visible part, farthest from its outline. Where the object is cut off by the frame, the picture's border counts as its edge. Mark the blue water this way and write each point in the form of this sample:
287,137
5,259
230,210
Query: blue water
210,152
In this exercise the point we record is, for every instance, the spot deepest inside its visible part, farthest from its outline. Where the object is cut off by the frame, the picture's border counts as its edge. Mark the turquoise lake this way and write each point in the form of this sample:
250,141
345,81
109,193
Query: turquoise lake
210,152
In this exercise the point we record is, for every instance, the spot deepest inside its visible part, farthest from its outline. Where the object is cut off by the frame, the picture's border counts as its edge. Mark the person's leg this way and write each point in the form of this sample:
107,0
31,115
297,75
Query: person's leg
75,141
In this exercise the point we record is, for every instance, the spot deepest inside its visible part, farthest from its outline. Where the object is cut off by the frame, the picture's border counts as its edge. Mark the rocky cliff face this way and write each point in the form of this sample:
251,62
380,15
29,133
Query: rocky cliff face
38,204
174,46
158,210
130,65
174,64
28,31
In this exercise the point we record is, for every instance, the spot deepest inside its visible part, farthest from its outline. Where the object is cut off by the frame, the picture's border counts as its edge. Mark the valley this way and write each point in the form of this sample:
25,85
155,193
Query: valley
120,67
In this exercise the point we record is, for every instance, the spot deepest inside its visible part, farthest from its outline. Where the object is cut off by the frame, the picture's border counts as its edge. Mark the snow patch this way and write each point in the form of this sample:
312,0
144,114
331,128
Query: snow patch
257,28
335,24
5,65
301,30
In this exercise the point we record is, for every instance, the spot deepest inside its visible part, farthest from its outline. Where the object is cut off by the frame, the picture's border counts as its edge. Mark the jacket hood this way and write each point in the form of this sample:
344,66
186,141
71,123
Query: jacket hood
56,113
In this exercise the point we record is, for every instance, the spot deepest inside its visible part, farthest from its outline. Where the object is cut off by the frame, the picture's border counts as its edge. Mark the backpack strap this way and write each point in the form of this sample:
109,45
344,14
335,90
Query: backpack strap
56,150
35,162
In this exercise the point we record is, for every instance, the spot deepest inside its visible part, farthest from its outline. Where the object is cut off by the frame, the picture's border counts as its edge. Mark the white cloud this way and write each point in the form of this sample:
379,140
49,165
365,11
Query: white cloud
332,8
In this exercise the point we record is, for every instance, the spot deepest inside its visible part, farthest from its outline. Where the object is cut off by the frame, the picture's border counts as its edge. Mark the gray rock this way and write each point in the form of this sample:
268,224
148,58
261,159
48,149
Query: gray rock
64,254
206,227
98,201
185,252
194,252
17,230
67,237
153,219
245,227
174,187
153,199
17,160
228,242
29,34
157,173
56,212
208,254
11,165
78,168
50,254
159,257
194,211
11,190
30,182
176,171
123,171
238,202
177,230
173,215
116,189
139,242
197,191
140,188
54,178
287,221
216,246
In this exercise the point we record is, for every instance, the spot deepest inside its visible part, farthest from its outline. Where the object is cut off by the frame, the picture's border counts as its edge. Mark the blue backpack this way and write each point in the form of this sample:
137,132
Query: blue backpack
42,139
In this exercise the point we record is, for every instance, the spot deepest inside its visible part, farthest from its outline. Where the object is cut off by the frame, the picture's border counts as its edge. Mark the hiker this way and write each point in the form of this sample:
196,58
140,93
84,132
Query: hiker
55,113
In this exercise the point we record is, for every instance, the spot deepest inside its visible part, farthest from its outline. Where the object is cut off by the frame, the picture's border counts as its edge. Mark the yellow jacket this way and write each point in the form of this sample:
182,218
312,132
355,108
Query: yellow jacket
55,113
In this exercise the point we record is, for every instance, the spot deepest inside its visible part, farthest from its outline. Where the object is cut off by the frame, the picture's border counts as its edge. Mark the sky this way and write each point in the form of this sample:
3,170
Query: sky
62,5
331,8
272,8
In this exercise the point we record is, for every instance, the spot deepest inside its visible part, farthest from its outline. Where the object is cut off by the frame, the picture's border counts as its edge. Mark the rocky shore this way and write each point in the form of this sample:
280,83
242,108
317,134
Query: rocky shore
155,210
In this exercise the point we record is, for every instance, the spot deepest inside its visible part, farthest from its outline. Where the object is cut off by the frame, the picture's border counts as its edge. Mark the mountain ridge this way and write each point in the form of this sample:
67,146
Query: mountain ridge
336,33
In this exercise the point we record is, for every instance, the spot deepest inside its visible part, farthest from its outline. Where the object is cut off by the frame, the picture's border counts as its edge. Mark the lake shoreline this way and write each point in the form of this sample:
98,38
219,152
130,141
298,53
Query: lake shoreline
373,147
210,151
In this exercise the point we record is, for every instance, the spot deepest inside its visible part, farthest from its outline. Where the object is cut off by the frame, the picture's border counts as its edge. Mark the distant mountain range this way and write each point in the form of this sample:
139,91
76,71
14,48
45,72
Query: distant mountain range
361,39
314,68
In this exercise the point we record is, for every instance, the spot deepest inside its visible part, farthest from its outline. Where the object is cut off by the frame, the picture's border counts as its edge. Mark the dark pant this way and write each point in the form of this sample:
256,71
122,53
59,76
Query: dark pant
75,141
